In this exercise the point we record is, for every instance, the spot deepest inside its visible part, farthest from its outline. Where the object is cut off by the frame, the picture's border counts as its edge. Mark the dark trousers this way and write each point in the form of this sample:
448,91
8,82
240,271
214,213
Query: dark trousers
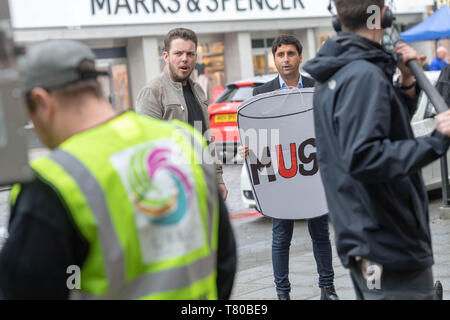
394,285
281,241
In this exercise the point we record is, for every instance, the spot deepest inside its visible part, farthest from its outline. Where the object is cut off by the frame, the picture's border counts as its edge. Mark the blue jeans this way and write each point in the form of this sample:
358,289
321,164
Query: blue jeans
281,241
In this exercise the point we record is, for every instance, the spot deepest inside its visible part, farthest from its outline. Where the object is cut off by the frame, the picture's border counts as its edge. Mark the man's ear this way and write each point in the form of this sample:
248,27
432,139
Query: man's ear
166,56
43,103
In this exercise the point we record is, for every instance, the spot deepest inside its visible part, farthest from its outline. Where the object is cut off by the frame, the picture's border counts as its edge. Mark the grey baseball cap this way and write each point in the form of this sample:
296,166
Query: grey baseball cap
54,64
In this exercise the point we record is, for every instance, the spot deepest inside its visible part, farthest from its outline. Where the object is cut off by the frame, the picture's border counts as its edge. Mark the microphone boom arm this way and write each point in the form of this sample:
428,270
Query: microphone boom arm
422,80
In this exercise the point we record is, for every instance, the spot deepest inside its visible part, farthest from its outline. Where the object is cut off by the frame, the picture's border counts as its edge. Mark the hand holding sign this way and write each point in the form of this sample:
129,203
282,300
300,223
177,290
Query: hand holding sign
243,151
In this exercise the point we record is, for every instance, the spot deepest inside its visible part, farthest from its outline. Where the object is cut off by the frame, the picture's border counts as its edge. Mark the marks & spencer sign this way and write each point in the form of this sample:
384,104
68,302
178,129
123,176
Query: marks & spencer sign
78,13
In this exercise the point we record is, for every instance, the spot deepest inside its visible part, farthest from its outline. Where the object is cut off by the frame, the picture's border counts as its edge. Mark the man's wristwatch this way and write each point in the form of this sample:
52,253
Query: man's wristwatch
408,87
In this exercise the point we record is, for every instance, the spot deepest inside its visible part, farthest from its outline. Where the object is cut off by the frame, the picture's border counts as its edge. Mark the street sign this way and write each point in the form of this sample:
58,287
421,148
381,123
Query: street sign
283,169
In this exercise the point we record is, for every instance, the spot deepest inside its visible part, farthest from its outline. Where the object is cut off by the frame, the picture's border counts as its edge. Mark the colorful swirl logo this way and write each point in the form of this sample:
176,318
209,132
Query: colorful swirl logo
160,190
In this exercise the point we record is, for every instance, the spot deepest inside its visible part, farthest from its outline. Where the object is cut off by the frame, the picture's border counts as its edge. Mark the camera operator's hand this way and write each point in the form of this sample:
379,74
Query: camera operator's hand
407,79
443,123
408,53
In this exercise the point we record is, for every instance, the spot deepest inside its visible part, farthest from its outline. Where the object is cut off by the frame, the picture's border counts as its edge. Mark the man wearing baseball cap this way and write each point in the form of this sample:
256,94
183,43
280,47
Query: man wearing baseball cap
119,209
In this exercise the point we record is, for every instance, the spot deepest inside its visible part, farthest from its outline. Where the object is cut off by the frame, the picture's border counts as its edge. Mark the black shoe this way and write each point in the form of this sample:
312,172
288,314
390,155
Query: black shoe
438,290
328,293
284,296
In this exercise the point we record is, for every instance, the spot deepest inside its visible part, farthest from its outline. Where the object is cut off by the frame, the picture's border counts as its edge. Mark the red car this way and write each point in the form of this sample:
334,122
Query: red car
223,116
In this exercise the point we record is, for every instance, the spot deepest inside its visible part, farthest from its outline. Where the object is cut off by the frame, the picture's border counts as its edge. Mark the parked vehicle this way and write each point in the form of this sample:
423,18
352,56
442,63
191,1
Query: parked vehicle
223,116
423,123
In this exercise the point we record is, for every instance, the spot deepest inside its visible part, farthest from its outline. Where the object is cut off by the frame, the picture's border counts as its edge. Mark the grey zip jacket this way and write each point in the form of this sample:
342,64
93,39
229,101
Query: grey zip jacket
163,99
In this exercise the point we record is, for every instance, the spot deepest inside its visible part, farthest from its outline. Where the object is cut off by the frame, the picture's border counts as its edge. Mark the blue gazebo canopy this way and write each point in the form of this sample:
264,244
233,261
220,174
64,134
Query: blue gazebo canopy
437,26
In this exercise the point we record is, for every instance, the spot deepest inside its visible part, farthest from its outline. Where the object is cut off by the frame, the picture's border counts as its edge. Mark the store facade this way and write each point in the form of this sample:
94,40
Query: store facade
235,36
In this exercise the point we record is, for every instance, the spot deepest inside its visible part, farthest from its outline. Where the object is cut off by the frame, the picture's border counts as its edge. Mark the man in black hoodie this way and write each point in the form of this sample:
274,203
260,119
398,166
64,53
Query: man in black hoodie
370,160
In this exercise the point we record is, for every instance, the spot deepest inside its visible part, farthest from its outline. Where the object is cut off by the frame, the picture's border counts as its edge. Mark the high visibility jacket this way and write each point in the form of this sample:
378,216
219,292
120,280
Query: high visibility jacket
144,195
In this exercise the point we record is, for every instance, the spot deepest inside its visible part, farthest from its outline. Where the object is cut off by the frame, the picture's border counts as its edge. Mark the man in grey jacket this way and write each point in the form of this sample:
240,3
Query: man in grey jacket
173,95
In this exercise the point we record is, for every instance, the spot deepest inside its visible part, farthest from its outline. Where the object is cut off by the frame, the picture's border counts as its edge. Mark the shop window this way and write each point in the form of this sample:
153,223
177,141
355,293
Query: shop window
258,43
259,64
121,97
210,69
263,62
115,87
208,48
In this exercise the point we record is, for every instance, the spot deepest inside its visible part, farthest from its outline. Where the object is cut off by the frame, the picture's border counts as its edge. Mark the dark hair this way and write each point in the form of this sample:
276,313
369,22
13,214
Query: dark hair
284,39
179,33
76,89
352,14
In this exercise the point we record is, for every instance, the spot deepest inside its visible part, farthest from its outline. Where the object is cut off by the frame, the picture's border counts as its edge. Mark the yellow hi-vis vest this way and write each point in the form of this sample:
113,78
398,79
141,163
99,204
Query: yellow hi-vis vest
143,193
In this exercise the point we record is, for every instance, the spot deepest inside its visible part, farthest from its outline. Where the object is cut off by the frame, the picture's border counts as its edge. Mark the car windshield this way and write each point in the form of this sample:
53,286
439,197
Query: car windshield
235,94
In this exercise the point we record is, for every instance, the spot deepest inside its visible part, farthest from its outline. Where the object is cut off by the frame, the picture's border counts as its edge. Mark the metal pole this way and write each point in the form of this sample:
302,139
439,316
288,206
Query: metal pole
444,181
440,105
423,82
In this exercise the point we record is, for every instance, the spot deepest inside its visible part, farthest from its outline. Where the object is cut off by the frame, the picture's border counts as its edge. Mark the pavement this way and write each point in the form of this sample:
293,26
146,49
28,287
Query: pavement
254,279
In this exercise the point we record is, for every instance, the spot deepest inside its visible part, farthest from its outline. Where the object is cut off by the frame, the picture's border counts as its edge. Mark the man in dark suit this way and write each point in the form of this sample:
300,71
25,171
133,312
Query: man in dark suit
287,53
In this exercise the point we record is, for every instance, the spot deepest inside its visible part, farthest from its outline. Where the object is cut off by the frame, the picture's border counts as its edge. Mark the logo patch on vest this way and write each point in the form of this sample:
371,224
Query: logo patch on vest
161,186
160,189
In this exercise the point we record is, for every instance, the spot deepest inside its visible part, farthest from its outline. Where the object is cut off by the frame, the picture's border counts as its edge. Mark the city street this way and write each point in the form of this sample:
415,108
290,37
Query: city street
338,107
254,280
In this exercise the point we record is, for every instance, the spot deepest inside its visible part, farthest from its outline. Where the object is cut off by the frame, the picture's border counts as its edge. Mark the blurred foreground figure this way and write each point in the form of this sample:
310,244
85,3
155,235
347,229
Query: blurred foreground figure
369,159
121,208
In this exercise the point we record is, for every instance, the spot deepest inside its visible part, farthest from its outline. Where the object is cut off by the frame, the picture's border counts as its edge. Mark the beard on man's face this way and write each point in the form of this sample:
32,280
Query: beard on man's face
176,76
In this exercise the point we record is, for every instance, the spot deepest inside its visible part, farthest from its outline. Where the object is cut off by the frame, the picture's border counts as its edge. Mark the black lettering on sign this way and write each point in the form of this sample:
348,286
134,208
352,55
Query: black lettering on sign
178,6
157,2
312,157
141,3
215,9
300,2
259,3
283,7
119,5
223,4
193,5
239,8
100,4
269,6
257,166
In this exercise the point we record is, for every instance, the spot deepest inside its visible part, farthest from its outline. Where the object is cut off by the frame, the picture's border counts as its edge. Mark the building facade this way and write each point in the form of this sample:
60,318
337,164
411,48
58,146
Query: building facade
235,36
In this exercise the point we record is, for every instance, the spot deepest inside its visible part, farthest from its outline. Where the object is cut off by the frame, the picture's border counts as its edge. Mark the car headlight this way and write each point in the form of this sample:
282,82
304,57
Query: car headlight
248,195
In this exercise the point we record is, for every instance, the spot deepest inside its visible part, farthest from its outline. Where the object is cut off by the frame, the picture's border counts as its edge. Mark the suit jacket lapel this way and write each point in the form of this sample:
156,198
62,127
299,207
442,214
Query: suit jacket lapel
276,83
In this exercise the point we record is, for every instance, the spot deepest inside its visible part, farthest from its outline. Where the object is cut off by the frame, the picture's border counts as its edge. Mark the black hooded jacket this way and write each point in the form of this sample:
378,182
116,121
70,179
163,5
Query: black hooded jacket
368,157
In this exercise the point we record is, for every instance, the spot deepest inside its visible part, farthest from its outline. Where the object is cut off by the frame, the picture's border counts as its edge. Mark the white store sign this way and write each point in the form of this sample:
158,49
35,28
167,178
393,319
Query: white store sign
73,13
81,13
